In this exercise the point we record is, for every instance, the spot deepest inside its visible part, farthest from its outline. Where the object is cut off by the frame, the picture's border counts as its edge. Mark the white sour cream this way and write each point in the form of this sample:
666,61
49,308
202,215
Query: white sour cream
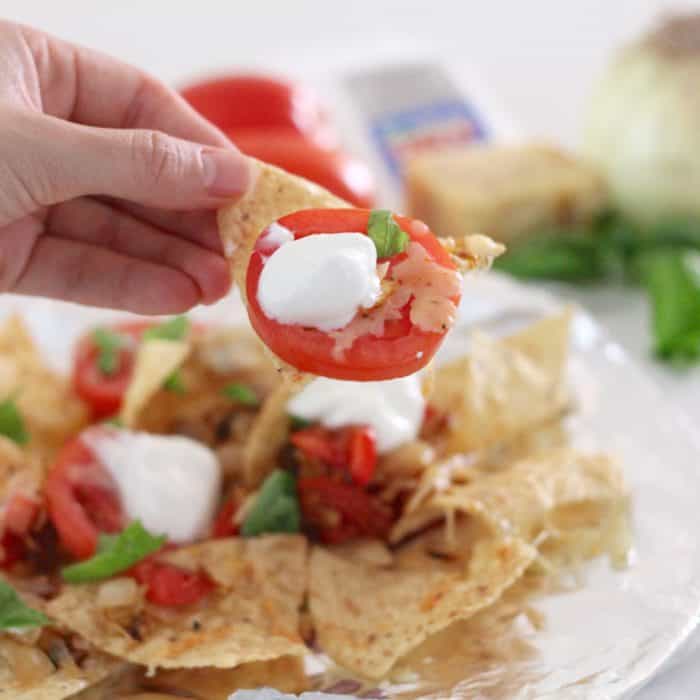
170,483
394,408
319,281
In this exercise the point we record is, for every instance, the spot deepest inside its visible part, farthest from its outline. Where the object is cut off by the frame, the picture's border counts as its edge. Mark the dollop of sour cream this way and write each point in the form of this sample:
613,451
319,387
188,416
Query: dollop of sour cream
320,281
170,483
394,408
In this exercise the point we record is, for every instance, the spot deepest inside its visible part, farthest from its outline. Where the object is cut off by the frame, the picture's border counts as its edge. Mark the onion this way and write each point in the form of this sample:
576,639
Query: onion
118,593
643,126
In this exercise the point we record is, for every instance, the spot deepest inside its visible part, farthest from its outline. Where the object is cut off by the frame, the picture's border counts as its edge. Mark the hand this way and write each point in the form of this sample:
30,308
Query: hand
108,182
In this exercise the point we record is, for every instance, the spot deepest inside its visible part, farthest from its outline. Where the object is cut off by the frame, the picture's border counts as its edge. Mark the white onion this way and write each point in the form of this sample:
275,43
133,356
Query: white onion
643,125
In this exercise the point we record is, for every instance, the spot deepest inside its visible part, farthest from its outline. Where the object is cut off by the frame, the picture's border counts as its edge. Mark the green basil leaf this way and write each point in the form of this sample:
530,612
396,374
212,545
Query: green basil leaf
116,553
14,613
114,421
241,394
386,234
276,508
108,345
672,280
12,423
174,329
175,383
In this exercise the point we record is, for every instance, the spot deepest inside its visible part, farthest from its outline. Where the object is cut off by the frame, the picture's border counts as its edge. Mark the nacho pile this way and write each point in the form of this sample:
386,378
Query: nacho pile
300,557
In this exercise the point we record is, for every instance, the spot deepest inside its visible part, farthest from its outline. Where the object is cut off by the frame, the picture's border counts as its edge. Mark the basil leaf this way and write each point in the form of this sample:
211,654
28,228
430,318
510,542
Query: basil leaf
114,421
672,280
14,613
175,384
276,508
12,423
108,344
174,329
116,553
240,393
386,234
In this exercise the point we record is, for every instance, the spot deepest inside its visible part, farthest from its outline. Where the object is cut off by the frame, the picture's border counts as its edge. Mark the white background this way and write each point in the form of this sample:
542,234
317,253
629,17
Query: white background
539,58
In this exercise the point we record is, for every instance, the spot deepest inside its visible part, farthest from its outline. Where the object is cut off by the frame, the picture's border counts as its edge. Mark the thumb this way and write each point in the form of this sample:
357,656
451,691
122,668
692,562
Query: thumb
48,160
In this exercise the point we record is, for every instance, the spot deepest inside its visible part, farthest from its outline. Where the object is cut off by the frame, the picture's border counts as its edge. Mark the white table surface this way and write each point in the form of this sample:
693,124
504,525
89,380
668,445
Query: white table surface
539,58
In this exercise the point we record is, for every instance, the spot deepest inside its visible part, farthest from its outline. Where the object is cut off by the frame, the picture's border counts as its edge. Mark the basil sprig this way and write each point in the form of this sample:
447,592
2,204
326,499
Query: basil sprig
15,614
115,553
388,237
662,257
276,508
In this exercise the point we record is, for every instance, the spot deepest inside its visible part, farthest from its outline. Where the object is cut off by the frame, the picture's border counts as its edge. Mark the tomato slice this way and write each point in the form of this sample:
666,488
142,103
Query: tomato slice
256,101
360,515
169,585
104,393
402,349
82,500
337,171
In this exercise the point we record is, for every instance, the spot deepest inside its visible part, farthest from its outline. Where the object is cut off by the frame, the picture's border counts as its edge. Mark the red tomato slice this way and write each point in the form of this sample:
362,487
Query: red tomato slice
255,101
102,392
340,173
169,585
402,349
82,500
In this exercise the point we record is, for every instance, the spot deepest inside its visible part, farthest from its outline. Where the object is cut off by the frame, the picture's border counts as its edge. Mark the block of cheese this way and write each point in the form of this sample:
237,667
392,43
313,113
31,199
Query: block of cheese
506,192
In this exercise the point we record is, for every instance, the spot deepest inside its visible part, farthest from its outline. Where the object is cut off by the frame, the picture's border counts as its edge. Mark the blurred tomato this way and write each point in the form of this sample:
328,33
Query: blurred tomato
340,173
254,101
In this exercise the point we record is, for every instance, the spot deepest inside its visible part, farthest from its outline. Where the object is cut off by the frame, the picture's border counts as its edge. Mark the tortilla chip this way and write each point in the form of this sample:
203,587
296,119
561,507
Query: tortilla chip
522,500
155,361
252,616
285,674
52,412
274,194
503,388
366,617
27,672
270,432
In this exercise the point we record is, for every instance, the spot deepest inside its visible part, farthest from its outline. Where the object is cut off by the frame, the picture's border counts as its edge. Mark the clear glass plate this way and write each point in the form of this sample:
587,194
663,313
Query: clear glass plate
611,635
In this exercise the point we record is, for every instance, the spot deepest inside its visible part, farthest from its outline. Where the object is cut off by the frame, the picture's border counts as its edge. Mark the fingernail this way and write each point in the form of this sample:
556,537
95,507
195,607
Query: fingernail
226,172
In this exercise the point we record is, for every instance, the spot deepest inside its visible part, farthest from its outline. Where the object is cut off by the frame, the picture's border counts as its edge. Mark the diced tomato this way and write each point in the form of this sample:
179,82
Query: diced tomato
12,549
169,585
317,442
104,392
353,448
21,512
224,525
339,172
82,500
257,101
402,349
362,454
360,514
